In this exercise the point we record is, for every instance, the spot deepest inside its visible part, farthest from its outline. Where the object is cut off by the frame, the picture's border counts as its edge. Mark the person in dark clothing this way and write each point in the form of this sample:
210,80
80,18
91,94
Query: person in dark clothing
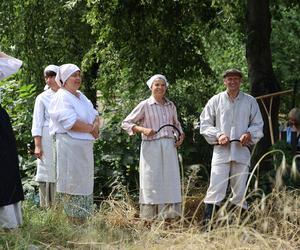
11,191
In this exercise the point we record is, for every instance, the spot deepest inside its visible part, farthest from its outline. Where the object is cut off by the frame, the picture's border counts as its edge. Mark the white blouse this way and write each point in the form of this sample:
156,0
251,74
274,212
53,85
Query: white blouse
41,115
65,108
9,66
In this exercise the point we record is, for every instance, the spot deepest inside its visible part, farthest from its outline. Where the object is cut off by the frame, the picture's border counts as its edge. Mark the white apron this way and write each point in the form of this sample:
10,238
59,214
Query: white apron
159,172
46,170
75,165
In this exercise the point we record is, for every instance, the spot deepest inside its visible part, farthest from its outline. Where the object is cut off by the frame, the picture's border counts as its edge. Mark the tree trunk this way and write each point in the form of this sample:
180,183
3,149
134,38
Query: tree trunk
259,59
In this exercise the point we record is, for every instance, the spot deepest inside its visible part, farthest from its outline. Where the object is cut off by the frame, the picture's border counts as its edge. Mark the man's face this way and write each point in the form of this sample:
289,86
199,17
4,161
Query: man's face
232,83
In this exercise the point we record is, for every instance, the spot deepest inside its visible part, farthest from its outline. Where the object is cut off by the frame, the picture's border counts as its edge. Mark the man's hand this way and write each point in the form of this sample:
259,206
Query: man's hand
245,139
223,139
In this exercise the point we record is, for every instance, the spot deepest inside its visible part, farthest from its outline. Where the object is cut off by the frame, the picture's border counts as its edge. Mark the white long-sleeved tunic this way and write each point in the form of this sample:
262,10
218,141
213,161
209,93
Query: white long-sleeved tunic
41,115
232,118
65,108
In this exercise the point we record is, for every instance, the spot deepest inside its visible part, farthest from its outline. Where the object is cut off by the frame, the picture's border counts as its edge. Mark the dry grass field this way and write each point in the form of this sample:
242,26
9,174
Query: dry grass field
272,222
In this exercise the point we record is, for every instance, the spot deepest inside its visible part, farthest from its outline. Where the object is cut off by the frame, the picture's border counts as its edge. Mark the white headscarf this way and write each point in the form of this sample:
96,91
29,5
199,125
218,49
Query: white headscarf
157,76
64,72
51,67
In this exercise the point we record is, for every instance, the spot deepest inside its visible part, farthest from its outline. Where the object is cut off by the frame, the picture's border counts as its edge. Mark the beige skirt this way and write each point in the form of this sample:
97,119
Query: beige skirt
160,211
47,193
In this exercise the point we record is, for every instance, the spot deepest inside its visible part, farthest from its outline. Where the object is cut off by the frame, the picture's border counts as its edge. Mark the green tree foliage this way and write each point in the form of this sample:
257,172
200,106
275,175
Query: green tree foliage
120,44
286,51
42,33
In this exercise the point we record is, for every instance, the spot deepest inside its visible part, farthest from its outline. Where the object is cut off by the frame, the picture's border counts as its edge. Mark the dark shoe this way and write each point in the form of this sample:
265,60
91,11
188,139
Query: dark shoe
208,213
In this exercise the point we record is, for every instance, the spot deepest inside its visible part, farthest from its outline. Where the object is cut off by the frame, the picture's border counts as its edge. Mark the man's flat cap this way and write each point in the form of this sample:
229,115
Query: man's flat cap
232,72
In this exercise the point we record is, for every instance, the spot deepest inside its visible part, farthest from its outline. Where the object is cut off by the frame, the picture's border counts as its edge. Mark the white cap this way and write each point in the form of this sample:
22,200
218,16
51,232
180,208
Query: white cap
157,76
64,72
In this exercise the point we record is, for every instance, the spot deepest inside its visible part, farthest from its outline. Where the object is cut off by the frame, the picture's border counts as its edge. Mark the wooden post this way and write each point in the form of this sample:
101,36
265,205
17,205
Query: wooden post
269,109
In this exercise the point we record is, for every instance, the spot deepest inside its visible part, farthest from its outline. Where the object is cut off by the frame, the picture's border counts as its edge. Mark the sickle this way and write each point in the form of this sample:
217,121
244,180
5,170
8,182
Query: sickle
233,140
170,125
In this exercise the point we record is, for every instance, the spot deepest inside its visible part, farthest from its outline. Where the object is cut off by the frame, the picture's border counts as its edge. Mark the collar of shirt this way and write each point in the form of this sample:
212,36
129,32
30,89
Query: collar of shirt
238,97
152,101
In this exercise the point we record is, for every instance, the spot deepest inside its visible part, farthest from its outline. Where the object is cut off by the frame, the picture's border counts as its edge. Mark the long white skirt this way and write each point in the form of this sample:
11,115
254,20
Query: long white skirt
159,173
75,165
160,190
46,169
11,216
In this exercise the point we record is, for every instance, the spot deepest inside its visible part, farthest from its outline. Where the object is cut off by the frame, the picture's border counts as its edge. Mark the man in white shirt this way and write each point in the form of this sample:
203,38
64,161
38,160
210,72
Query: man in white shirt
230,115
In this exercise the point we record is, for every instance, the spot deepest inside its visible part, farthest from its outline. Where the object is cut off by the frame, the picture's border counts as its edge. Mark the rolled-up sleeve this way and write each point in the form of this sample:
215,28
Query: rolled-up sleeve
135,117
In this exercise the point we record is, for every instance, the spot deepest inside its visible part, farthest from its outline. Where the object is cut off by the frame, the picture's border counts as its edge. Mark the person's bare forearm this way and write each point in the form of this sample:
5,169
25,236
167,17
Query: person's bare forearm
97,121
80,126
145,131
38,150
37,141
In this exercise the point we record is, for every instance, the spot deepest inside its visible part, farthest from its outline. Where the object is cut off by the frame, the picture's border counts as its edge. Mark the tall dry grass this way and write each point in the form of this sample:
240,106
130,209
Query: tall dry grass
272,222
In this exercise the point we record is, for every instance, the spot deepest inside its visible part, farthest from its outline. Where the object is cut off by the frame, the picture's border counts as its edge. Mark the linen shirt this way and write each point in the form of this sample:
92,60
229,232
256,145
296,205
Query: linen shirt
41,115
65,108
151,114
232,118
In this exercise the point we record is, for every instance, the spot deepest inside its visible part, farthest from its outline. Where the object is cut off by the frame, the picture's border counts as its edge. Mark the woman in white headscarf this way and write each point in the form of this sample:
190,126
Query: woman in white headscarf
160,192
11,191
46,168
75,124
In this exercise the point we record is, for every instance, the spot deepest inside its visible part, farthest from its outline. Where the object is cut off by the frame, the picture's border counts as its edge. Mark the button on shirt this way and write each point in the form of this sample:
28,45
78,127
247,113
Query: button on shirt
41,115
65,109
233,118
151,114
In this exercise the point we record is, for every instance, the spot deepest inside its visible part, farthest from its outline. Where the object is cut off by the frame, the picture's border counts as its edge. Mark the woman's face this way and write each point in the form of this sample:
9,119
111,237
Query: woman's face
50,80
158,88
73,82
